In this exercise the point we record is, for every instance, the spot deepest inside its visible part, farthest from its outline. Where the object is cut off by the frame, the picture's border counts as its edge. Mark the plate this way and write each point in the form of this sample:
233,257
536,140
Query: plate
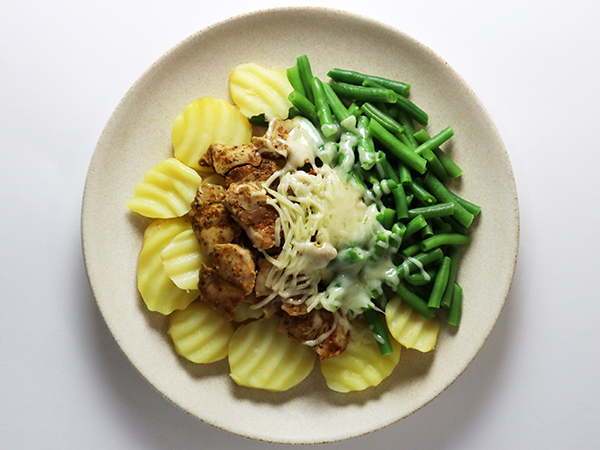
137,137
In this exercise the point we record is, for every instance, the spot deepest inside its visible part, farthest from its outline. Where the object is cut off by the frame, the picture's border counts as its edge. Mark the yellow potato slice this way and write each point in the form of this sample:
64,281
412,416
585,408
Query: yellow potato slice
204,122
258,90
182,260
262,357
167,191
409,327
200,333
156,288
361,365
244,312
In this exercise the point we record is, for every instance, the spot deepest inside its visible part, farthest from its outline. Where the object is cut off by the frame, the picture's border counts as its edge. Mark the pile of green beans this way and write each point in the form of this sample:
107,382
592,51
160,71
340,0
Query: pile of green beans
405,172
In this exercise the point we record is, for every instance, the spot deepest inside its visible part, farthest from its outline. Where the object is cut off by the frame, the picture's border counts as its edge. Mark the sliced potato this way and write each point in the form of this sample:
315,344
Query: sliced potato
262,357
409,327
156,288
207,121
200,333
167,190
182,260
361,365
258,90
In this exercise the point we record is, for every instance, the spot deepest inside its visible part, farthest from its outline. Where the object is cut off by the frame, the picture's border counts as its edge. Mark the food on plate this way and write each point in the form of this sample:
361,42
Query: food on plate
328,233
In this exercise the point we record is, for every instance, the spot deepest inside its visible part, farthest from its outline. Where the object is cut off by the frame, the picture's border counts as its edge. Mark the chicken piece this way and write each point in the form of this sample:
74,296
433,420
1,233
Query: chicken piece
247,203
231,279
249,173
219,293
211,220
263,268
295,309
235,264
317,329
223,157
274,140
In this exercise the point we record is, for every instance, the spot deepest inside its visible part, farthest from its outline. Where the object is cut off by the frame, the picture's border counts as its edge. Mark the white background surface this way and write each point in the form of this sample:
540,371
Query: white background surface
64,66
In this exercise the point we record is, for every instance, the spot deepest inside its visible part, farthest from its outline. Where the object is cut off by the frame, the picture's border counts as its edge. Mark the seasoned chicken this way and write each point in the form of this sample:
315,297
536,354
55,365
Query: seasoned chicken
249,173
211,220
317,329
235,264
273,142
263,268
222,158
219,292
247,203
231,279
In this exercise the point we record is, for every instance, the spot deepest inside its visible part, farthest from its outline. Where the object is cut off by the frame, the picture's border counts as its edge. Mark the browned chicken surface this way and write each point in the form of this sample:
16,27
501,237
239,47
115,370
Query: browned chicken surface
222,158
249,173
248,205
230,280
211,220
274,141
312,326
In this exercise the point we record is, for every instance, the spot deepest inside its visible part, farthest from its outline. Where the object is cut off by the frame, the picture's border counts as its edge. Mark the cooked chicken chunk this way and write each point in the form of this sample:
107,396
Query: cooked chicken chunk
223,157
211,220
231,279
249,173
263,268
273,142
235,264
247,203
317,329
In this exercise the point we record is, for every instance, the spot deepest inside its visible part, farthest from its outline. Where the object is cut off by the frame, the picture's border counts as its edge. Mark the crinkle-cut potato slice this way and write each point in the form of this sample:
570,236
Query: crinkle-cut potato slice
244,312
182,260
258,90
409,327
361,365
207,121
262,357
156,288
200,333
167,190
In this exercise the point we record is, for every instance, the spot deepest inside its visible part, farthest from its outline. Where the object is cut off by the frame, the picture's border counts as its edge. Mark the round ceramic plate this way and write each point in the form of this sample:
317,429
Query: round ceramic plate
137,137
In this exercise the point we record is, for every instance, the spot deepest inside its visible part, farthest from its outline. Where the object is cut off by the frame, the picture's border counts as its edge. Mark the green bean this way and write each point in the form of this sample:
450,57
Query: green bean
435,141
464,217
454,254
404,175
403,103
422,259
421,193
387,217
306,76
433,162
471,207
437,210
350,255
293,74
413,300
445,239
426,231
441,225
292,112
398,230
450,166
365,148
454,225
328,126
400,201
440,283
414,225
397,148
372,112
384,168
352,77
365,94
346,120
379,331
412,250
409,128
422,279
354,110
306,107
455,311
